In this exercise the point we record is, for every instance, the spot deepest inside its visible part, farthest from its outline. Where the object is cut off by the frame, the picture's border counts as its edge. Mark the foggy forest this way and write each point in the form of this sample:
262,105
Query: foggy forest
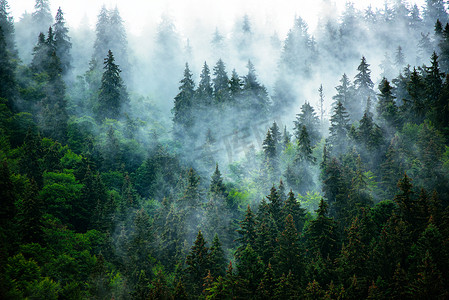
214,162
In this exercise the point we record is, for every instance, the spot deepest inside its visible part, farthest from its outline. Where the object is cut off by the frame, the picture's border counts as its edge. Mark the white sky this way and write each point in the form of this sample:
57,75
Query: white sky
140,13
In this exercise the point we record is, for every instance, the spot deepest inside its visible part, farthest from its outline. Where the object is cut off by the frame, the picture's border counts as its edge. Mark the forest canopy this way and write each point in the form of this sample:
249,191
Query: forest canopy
252,166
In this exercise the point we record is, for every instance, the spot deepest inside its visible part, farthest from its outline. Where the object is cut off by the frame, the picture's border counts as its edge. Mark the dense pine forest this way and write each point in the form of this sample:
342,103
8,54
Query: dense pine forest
229,164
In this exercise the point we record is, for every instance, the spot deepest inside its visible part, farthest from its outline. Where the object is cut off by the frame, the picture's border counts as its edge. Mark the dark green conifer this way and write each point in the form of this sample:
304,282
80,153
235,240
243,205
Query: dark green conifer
339,129
8,84
62,42
112,97
198,263
293,207
322,233
182,109
221,83
204,91
217,258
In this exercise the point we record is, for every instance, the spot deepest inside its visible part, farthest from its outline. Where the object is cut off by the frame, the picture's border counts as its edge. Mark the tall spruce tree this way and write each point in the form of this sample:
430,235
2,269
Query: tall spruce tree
197,264
304,152
415,106
308,118
41,16
7,25
54,115
217,258
221,83
112,97
8,84
256,95
62,42
247,232
387,111
363,86
339,129
434,81
204,91
293,207
434,10
322,233
183,106
289,255
344,92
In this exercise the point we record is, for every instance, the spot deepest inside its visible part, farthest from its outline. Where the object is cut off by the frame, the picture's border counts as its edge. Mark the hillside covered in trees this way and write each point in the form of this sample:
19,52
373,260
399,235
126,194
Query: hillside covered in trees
253,166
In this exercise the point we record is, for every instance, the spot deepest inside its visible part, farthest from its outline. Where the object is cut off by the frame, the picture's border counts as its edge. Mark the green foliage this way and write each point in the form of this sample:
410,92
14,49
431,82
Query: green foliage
101,198
310,201
60,191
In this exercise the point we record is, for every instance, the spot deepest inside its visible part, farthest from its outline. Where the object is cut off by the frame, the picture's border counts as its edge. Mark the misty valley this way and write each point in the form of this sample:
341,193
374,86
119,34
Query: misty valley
225,162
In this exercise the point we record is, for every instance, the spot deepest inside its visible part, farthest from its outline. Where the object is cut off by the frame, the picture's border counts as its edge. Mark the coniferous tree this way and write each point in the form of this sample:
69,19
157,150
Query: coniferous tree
425,48
267,285
256,96
415,18
221,83
54,115
289,255
250,270
218,211
304,153
62,42
276,135
7,25
270,152
204,91
322,233
275,205
354,255
434,10
247,232
440,111
30,216
434,81
235,85
344,92
41,16
112,97
8,84
321,103
368,132
102,34
363,86
339,129
387,110
160,289
444,49
309,119
267,231
399,58
111,35
198,263
429,283
118,39
190,202
8,209
40,55
217,258
293,207
286,138
416,104
183,106
391,169
406,200
216,184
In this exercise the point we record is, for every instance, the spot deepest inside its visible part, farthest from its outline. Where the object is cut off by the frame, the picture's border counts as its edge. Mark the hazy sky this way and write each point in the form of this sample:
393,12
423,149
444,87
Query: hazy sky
140,13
